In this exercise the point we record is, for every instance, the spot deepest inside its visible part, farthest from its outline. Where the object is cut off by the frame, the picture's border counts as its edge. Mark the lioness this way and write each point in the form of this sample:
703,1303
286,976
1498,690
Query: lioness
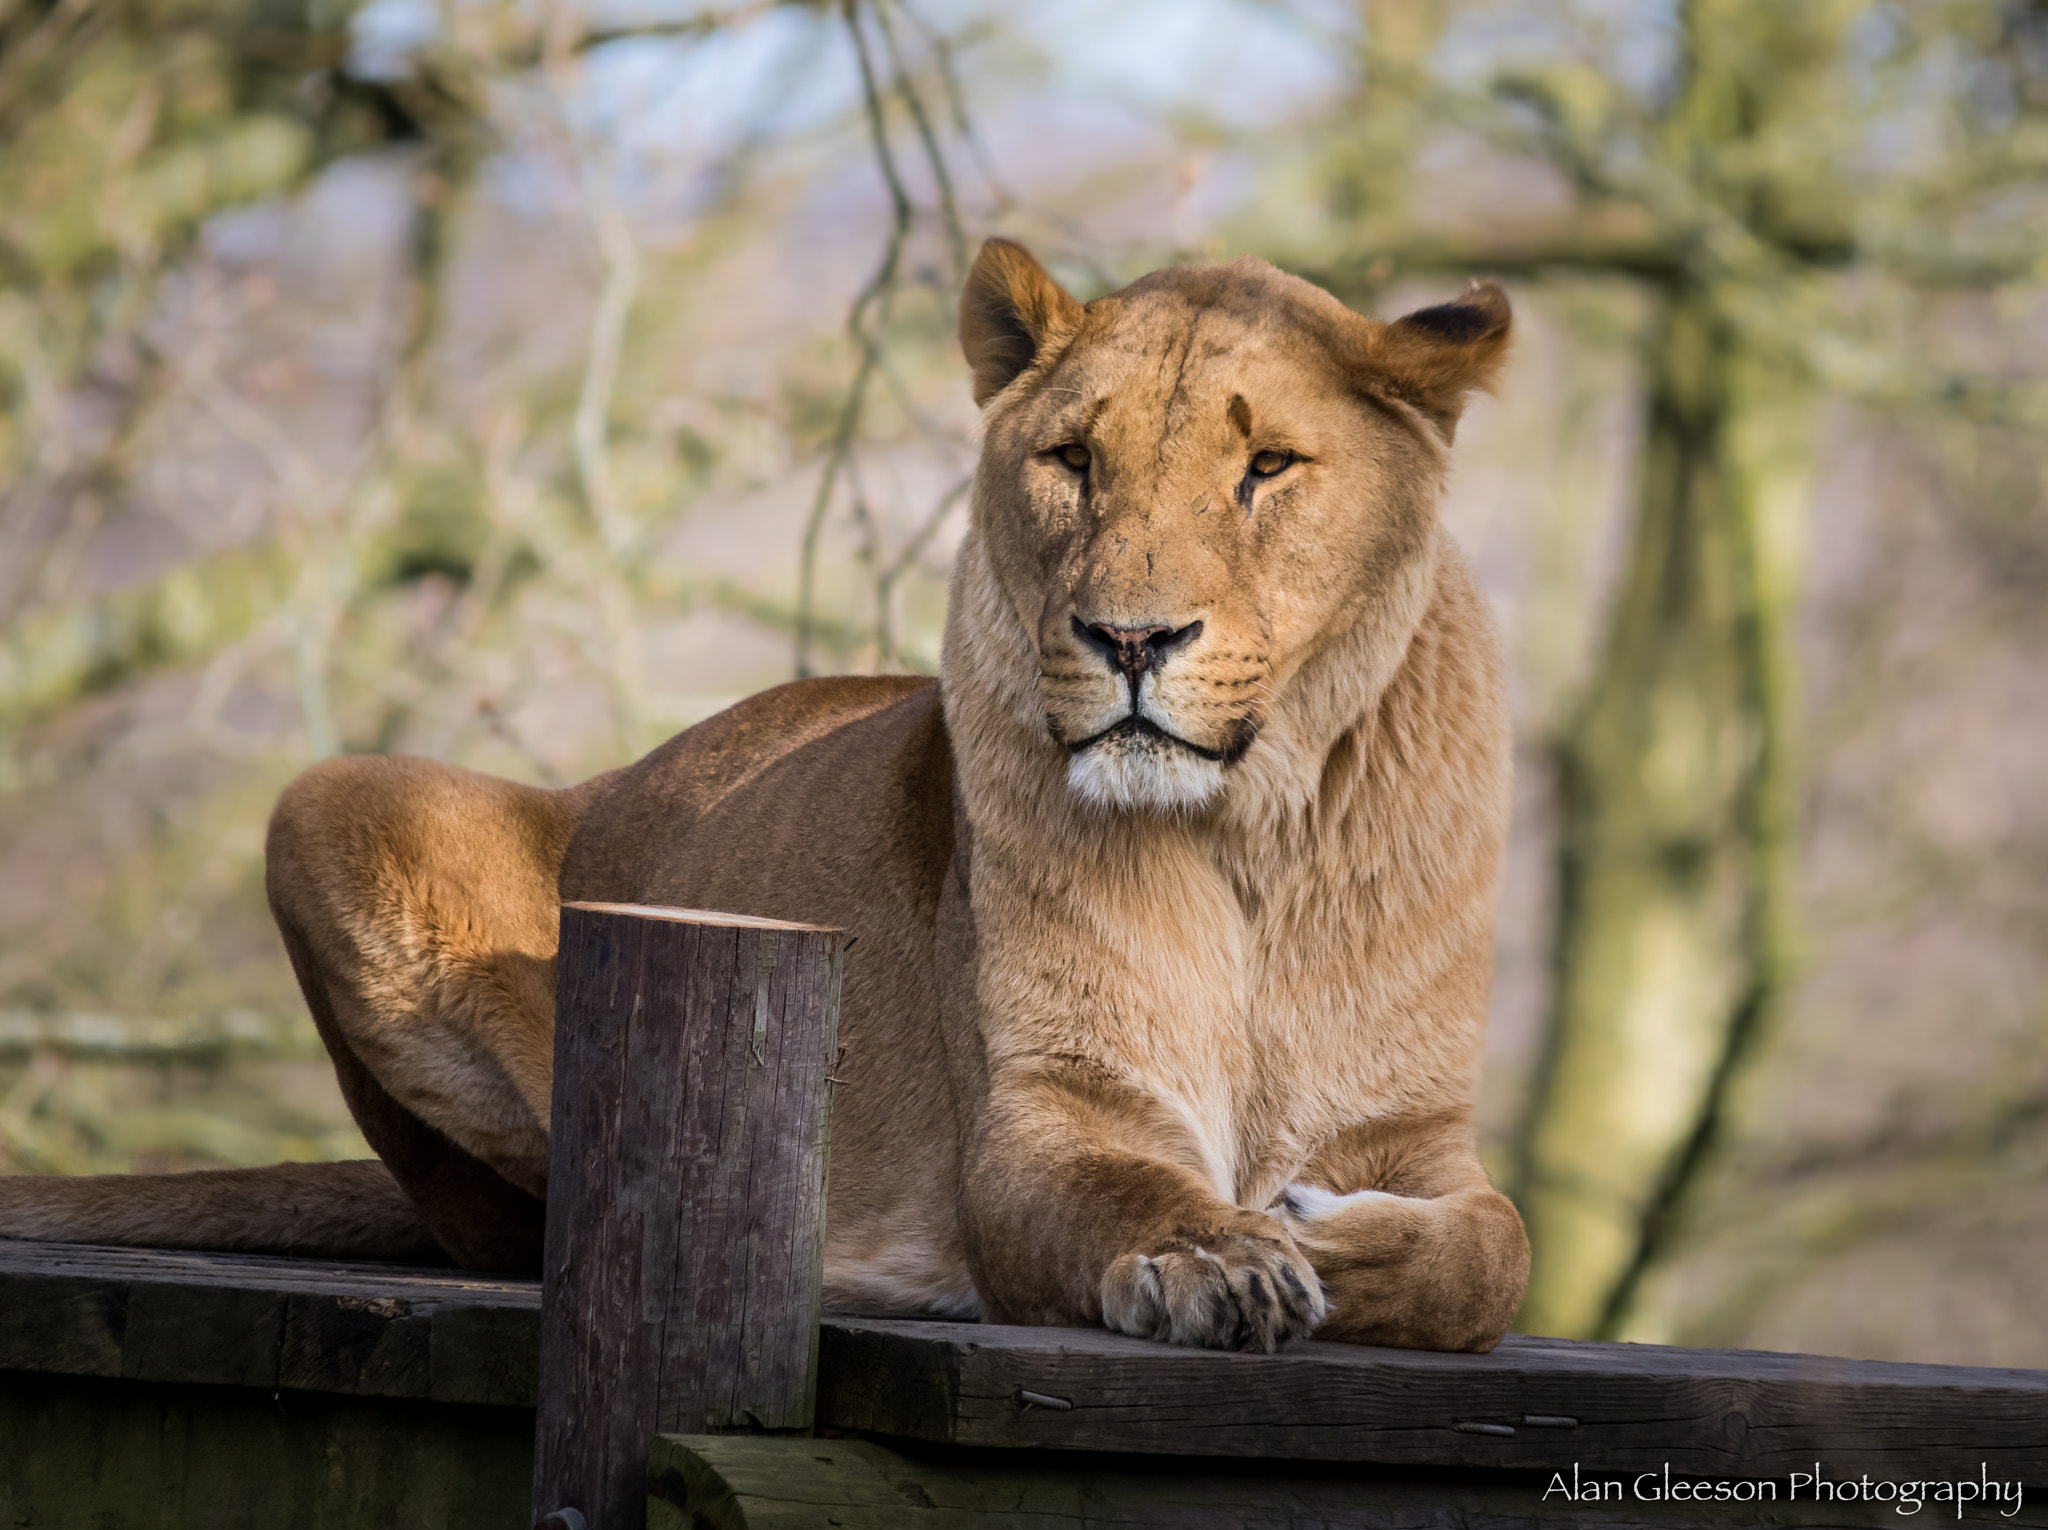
1172,897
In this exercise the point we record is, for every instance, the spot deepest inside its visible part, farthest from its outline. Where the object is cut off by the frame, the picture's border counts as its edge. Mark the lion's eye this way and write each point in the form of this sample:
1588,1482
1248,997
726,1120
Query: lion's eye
1266,464
1075,456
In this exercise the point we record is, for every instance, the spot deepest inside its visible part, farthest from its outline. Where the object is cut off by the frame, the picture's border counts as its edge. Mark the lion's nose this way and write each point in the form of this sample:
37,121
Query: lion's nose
1133,650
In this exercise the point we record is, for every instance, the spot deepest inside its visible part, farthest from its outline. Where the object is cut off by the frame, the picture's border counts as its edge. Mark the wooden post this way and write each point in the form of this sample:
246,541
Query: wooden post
686,1192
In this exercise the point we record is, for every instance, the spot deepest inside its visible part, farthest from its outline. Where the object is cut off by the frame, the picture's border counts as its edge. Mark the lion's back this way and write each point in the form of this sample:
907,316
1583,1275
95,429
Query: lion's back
818,800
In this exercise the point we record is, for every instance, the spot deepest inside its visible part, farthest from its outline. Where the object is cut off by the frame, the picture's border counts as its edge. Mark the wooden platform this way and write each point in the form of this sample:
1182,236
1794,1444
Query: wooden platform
758,1483
1532,1404
457,1353
143,1388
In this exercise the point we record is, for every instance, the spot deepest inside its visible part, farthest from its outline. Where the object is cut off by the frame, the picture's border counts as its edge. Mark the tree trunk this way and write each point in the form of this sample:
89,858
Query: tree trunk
1669,945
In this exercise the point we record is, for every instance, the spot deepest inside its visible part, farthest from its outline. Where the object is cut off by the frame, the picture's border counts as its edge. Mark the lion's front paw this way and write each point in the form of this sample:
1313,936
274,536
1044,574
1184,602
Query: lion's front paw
1218,1290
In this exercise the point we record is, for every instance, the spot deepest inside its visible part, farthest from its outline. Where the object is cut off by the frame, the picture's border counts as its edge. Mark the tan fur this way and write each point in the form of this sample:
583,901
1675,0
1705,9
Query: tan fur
312,1210
1169,1024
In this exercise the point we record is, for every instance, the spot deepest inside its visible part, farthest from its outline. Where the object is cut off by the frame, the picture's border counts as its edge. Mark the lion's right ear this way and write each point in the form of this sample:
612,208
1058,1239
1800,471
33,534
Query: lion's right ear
1009,310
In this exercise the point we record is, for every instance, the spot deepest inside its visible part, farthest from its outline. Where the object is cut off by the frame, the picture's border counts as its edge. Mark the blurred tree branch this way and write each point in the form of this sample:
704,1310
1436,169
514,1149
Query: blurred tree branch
868,319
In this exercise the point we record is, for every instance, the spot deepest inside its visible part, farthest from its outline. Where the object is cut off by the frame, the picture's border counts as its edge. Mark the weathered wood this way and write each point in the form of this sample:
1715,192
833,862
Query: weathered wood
739,1483
353,1330
1532,1403
134,1455
685,1190
245,1320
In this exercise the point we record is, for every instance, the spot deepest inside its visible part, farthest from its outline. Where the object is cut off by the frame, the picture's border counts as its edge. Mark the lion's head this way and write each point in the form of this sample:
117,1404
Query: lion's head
1191,486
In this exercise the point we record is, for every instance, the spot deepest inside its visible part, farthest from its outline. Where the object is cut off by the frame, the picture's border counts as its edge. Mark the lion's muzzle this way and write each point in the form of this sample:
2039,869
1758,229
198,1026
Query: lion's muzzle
1131,651
1115,710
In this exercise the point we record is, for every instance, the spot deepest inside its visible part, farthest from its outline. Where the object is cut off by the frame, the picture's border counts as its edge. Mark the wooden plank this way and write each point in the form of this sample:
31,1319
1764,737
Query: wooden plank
177,1331
686,1160
244,1320
1531,1404
21,1256
67,1324
375,1345
758,1483
1635,1407
132,1455
484,1352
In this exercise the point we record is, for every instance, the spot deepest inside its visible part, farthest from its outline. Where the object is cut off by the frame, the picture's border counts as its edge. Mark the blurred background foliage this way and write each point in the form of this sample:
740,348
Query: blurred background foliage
518,381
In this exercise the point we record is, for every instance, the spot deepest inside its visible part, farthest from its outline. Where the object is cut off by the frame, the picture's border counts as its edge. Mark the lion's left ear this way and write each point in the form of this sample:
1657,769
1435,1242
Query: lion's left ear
1435,356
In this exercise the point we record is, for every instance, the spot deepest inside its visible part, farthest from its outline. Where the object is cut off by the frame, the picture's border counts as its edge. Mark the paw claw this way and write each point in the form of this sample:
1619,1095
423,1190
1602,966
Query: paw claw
1225,1291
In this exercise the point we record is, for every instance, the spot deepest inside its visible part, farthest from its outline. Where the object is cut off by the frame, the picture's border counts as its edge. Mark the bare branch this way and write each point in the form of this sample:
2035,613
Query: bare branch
862,328
948,208
956,107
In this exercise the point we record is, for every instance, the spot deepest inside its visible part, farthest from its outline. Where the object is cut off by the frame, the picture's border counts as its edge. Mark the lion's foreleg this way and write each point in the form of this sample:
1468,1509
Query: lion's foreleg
1079,1209
1415,1247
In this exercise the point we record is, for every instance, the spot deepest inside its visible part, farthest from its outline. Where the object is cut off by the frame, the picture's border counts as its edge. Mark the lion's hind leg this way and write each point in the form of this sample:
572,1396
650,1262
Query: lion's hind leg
418,903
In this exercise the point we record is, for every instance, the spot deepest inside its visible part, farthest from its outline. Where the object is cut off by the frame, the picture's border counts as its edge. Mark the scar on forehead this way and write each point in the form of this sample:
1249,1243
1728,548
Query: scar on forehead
1241,415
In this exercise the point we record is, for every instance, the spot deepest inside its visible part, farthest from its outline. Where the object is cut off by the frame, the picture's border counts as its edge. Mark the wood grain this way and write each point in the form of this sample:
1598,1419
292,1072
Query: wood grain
354,1330
685,1190
1620,1407
79,1451
362,1330
738,1483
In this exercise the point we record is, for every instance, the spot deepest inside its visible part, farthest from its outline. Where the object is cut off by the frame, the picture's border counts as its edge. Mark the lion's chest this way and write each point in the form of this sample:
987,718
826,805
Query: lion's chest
1263,1024
1263,1045
1326,1031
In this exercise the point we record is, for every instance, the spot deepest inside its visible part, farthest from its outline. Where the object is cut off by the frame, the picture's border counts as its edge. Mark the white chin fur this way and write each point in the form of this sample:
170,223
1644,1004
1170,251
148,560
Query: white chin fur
1113,774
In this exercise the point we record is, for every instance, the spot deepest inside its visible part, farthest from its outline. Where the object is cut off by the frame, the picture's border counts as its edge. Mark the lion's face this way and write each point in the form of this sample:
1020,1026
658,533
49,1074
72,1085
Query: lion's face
1188,487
